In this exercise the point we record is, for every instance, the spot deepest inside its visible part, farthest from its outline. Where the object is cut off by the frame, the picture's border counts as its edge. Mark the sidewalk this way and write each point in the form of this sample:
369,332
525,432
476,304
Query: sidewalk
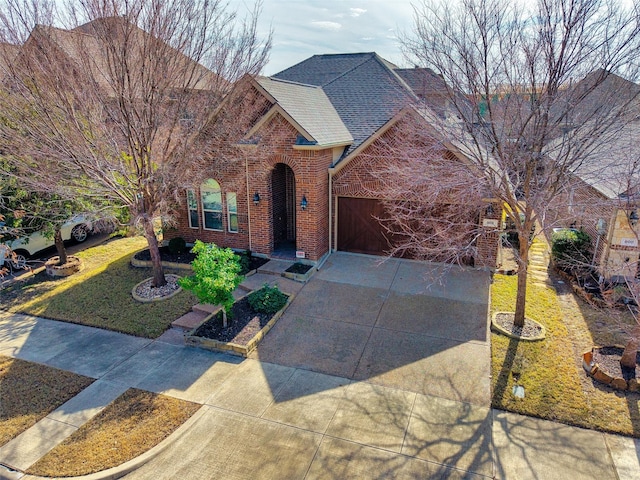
313,419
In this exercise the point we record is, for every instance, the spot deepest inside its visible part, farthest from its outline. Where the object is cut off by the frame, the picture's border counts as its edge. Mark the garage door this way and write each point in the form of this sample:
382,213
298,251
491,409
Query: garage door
359,229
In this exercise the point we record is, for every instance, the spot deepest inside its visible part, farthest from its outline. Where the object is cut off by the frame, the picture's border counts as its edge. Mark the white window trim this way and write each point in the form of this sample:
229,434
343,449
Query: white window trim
189,209
221,211
229,212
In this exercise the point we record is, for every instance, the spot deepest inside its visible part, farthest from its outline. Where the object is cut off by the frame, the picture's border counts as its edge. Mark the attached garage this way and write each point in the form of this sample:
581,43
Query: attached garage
359,228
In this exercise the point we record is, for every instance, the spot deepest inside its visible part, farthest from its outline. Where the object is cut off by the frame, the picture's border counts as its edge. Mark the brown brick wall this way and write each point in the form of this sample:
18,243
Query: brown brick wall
356,180
311,179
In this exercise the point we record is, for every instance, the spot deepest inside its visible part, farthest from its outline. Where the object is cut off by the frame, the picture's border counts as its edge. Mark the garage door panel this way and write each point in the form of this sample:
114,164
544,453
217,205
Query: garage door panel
359,228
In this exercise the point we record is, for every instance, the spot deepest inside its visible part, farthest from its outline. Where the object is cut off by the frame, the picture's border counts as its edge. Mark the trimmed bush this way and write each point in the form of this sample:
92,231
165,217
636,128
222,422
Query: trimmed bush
571,249
177,245
267,299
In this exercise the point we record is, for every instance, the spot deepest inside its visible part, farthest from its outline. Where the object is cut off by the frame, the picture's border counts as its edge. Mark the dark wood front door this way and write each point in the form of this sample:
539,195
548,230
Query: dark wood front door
359,229
283,191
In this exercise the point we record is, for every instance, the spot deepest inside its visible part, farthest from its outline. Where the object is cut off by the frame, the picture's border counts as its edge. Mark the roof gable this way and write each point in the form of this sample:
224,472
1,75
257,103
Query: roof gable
309,109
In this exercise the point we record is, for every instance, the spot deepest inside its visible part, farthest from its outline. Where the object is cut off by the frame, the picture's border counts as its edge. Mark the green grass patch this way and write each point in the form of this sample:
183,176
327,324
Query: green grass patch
556,387
100,294
132,424
30,391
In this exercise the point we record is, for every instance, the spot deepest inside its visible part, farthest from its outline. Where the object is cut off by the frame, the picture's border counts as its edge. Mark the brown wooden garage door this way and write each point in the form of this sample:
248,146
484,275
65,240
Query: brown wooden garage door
359,229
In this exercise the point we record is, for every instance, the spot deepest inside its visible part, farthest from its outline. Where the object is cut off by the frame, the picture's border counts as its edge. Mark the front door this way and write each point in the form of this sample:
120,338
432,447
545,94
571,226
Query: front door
283,190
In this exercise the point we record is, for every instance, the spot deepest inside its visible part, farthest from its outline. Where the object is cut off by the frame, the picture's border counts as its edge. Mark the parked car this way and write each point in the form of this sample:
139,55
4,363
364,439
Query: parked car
77,228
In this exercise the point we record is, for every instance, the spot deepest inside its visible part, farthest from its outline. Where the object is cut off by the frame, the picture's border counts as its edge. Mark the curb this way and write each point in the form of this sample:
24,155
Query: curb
135,463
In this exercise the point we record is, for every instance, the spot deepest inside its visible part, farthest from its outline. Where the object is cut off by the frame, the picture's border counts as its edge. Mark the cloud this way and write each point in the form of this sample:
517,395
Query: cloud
356,12
333,26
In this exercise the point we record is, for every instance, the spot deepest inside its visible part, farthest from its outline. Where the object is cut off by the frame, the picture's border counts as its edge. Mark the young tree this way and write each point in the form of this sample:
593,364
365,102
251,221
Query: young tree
511,105
126,103
216,274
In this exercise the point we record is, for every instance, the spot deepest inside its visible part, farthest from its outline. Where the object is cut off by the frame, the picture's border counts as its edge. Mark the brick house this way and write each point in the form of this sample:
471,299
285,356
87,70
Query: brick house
299,182
602,199
601,196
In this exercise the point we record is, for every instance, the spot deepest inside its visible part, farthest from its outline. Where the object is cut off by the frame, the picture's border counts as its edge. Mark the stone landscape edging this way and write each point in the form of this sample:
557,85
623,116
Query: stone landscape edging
495,326
149,264
155,299
300,277
594,371
230,347
175,265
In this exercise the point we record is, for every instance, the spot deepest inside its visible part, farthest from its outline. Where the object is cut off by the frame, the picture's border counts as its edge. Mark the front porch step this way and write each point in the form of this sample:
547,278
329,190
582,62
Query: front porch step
205,308
275,267
189,321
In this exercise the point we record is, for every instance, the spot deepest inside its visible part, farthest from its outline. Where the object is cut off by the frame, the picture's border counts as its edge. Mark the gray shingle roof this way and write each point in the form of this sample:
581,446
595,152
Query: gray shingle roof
310,108
363,88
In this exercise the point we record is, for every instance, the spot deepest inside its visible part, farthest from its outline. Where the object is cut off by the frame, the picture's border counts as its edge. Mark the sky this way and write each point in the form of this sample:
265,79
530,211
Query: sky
302,28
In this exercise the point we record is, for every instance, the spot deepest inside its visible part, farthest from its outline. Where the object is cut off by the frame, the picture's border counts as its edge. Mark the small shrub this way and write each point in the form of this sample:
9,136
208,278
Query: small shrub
267,299
177,245
571,249
245,261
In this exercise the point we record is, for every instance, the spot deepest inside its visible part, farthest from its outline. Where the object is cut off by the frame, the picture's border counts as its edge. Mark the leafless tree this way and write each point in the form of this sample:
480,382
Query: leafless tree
528,93
128,101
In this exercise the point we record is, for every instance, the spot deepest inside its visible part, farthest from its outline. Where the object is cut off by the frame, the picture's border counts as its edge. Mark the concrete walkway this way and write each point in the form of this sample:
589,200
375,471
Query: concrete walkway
367,375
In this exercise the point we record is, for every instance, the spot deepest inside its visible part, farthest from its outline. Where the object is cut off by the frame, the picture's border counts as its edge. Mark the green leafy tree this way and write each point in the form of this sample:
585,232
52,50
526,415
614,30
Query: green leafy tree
216,274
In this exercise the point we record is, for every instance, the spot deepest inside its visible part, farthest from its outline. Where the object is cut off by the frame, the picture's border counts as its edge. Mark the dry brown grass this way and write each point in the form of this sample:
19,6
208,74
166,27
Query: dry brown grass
557,387
135,422
30,391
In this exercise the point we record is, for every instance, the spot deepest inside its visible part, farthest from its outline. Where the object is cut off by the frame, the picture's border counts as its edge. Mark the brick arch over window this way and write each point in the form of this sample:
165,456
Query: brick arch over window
211,198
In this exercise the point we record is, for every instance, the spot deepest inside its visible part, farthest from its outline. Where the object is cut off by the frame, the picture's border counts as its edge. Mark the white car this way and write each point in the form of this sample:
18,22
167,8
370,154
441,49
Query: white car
77,228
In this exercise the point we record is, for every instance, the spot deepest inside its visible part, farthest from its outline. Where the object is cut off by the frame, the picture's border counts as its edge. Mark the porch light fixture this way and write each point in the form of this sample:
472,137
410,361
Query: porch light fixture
489,211
304,203
256,199
633,217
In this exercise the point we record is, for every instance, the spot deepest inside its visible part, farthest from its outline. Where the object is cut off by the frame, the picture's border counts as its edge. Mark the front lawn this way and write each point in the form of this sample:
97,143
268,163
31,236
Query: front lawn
132,424
100,294
556,387
30,391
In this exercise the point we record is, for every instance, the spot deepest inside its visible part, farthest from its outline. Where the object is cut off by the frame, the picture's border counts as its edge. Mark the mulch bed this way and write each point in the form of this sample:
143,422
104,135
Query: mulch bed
188,257
244,324
299,268
530,330
608,358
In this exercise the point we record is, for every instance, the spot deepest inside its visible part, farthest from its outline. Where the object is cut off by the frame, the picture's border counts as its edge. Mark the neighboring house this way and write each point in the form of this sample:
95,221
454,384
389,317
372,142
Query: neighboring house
302,185
602,195
602,199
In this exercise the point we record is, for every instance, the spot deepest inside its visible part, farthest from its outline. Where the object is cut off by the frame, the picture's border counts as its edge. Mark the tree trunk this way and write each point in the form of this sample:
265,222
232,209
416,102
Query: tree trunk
225,322
521,292
59,243
158,271
630,353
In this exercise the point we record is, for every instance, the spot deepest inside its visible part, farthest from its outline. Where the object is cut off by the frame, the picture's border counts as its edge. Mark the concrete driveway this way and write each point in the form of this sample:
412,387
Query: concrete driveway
397,323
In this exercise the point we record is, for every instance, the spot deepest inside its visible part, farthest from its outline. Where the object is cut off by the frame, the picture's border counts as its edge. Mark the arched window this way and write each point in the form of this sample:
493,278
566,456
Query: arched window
211,204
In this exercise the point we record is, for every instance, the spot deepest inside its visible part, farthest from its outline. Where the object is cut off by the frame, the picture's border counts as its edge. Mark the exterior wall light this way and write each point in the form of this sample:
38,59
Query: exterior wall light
489,210
256,199
633,218
304,203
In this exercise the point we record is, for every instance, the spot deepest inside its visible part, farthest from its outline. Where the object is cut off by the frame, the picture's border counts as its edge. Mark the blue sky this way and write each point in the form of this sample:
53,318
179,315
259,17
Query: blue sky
303,28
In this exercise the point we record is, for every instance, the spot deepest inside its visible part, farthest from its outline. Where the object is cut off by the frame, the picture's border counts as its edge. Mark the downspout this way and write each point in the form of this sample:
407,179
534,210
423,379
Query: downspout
331,170
246,170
